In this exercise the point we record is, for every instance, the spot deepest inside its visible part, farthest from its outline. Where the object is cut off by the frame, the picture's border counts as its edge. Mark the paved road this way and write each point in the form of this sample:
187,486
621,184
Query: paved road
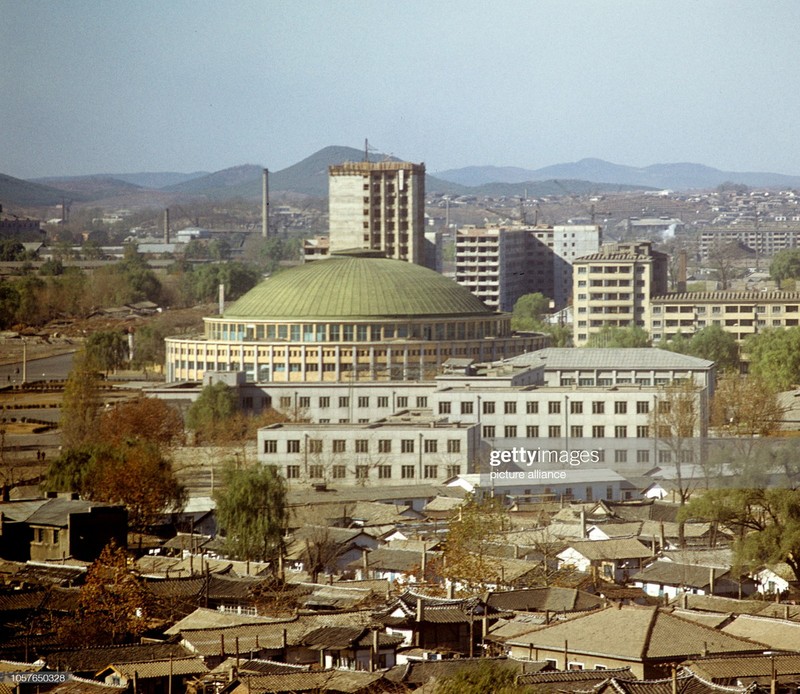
50,368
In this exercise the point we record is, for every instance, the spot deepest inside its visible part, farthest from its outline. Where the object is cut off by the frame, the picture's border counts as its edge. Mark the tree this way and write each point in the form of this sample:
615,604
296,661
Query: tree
480,677
745,406
11,250
107,350
612,337
113,604
209,414
529,310
767,522
80,404
723,257
136,475
251,511
141,419
467,561
715,344
785,265
9,304
775,357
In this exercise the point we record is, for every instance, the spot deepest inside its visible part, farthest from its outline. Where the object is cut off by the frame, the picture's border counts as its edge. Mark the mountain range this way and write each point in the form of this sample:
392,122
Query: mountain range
310,177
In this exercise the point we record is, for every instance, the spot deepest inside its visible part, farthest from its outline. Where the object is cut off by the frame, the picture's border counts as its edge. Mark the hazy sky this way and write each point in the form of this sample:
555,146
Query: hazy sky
149,85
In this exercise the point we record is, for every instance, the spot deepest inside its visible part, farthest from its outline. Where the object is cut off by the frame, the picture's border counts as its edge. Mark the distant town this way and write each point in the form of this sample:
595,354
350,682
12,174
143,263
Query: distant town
350,427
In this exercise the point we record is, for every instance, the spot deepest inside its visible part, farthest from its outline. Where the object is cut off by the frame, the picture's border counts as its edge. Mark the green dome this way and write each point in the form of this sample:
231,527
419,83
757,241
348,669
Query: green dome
356,287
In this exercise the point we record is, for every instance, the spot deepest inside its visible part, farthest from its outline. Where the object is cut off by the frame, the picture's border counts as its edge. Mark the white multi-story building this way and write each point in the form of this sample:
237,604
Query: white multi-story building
378,206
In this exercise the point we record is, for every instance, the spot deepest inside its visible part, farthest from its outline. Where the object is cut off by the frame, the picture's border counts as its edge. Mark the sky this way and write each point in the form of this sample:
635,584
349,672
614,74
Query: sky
116,86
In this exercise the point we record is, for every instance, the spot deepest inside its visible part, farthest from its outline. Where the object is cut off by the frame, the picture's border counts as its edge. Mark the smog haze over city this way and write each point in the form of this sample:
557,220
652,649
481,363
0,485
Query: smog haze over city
91,87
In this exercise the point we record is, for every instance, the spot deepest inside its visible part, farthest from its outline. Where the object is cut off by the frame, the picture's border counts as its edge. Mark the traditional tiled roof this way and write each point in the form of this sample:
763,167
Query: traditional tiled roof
91,660
625,548
584,677
204,618
776,633
338,638
730,668
416,673
80,685
649,634
152,669
344,681
714,603
674,574
542,599
684,683
56,512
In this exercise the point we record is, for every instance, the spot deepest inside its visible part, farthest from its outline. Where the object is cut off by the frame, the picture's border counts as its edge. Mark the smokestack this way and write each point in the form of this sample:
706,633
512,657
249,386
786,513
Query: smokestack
166,225
221,298
681,272
265,204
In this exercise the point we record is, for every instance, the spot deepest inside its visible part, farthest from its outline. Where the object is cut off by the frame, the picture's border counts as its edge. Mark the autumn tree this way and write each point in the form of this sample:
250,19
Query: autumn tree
480,677
80,404
775,357
113,604
215,405
142,418
611,337
745,406
251,511
766,521
467,558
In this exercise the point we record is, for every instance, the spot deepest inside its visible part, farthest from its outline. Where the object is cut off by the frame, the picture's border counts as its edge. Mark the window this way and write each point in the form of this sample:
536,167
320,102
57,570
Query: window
620,407
407,472
576,407
554,431
315,445
510,407
454,446
510,431
402,401
453,470
407,445
422,401
363,401
362,446
466,408
339,445
338,472
532,407
642,407
642,456
620,431
598,431
431,446
40,534
532,431
598,407
642,431
620,456
344,401
292,472
362,472
444,407
488,431
285,401
488,407
383,401
304,402
665,456
293,446
430,472
324,401
576,431
554,407
589,494
316,471
384,472
270,446
385,446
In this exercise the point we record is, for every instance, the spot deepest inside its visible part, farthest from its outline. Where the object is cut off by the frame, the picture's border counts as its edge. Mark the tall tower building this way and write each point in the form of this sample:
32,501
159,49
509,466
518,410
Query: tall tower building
378,206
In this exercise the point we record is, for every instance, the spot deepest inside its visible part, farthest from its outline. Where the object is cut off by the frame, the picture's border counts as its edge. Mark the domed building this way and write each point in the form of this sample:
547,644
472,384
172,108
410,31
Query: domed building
352,317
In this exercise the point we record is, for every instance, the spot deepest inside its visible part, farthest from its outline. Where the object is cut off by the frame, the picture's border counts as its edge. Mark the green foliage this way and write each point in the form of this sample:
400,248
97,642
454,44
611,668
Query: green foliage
52,267
68,472
9,304
611,337
80,405
202,283
529,310
107,350
485,676
775,357
215,405
251,510
274,250
11,250
711,343
785,265
766,520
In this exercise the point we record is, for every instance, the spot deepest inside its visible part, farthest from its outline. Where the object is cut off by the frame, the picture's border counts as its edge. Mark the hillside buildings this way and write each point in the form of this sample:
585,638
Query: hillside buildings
501,264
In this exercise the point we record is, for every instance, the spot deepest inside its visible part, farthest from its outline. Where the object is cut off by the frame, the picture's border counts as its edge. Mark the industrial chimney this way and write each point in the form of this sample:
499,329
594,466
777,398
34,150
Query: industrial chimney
681,284
166,225
265,204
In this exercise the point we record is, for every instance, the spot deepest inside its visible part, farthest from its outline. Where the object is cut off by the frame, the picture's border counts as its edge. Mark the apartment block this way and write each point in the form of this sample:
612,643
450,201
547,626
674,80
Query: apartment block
763,241
613,288
378,206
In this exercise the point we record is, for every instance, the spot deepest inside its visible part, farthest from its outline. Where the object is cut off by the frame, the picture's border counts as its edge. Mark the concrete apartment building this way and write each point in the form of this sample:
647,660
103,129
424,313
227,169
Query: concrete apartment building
614,287
501,264
765,242
378,206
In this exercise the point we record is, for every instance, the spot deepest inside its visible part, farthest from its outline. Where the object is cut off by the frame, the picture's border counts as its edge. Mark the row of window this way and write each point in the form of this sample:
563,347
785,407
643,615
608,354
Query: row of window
554,431
553,406
362,401
792,308
315,446
362,472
